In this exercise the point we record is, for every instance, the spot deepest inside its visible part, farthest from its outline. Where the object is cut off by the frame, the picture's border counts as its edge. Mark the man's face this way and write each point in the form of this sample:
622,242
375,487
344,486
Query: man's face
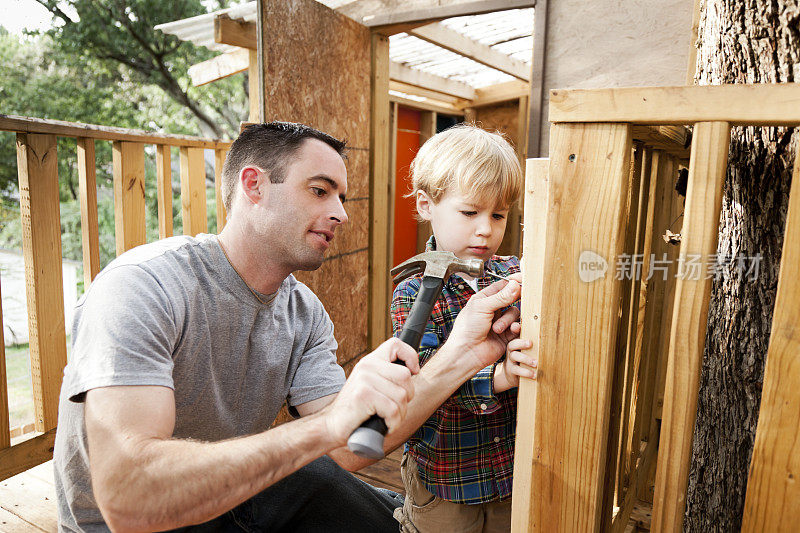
300,215
468,228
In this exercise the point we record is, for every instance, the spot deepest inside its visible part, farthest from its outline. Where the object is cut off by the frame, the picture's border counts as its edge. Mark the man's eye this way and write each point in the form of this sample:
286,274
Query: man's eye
469,213
319,191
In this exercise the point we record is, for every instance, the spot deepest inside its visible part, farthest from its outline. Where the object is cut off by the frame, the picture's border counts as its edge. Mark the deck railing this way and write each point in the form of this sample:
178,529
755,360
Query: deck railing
37,163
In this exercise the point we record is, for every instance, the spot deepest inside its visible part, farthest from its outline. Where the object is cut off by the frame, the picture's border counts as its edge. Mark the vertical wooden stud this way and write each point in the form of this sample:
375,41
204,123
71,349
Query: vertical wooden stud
193,191
129,208
219,162
710,142
164,176
5,435
87,184
253,94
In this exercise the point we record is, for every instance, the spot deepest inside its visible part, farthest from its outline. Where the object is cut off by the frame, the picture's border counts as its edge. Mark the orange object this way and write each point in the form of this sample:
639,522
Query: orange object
405,225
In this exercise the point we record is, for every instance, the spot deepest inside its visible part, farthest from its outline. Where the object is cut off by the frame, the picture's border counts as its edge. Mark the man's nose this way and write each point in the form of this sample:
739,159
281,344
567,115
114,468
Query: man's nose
339,214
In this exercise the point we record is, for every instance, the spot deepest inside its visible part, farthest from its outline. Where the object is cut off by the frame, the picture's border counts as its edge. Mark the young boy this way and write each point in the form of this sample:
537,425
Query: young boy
457,468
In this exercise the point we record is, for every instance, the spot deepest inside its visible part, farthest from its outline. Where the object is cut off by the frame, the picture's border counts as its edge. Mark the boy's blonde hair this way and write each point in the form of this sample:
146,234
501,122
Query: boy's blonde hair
476,163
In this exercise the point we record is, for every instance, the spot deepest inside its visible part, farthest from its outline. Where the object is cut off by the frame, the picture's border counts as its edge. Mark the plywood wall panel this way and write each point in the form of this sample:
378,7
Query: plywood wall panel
501,117
357,165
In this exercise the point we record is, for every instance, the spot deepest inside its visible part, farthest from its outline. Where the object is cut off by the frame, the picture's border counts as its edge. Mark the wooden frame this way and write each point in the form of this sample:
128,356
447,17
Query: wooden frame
561,484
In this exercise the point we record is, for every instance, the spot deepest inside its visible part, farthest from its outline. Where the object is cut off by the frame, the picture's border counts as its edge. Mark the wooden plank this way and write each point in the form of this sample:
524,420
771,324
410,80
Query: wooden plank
618,420
234,32
462,45
536,96
533,257
221,66
773,490
379,161
193,191
27,454
219,162
129,208
400,19
5,430
439,98
691,67
164,177
501,92
37,166
432,82
641,472
687,338
428,105
589,176
76,129
90,233
764,104
521,140
427,126
30,499
253,94
671,139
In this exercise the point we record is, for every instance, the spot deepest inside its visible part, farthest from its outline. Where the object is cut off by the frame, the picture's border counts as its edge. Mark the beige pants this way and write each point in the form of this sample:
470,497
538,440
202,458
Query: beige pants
425,513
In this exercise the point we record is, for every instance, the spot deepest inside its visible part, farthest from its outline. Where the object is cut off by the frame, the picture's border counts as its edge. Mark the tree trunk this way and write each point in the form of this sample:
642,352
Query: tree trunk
741,41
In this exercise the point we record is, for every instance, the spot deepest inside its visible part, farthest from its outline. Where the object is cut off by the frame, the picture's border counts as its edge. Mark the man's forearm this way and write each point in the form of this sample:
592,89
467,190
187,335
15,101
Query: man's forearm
172,483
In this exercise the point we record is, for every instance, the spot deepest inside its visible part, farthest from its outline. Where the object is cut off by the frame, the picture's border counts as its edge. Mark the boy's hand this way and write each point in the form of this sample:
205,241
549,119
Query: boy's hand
508,372
478,331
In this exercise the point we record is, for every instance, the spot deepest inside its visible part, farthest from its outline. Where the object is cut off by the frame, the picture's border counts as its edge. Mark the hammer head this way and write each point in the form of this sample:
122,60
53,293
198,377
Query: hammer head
438,265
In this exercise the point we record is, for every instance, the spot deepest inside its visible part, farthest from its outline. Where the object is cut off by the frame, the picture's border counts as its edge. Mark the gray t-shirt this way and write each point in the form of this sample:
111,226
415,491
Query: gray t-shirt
175,313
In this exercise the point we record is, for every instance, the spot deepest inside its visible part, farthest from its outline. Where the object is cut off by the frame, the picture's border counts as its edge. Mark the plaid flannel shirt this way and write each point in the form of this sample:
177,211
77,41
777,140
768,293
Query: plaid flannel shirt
465,450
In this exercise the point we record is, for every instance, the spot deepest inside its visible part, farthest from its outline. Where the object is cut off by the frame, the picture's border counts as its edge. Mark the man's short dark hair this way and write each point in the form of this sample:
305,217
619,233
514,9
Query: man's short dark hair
269,146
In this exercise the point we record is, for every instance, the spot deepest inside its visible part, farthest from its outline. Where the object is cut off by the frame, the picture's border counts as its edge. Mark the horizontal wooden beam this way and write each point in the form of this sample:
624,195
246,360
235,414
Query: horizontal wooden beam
756,104
460,44
234,32
425,93
399,20
428,105
219,67
27,454
510,90
92,131
671,139
418,78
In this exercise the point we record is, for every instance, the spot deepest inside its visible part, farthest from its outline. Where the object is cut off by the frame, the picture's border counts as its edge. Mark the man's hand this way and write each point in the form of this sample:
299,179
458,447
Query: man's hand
479,331
376,386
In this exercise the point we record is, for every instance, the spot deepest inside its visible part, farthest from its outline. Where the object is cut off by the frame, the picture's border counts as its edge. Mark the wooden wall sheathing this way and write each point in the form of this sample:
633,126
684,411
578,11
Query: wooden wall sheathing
317,71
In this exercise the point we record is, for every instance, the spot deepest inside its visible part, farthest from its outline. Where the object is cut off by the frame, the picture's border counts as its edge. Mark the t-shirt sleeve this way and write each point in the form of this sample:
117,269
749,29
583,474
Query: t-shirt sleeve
318,374
123,334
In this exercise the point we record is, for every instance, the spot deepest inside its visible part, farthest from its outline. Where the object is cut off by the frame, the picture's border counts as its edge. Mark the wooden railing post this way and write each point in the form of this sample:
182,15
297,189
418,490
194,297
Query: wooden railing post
687,340
164,178
37,164
87,181
193,191
219,162
129,209
5,429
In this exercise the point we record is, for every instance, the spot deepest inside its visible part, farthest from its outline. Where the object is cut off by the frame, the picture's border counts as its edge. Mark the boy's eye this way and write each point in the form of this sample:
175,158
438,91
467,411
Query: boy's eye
469,213
498,216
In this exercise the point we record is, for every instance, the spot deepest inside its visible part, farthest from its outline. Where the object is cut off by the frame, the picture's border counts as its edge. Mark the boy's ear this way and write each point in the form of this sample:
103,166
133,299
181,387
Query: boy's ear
424,204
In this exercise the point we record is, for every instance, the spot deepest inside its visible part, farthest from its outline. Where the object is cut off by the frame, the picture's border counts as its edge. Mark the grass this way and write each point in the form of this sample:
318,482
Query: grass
20,390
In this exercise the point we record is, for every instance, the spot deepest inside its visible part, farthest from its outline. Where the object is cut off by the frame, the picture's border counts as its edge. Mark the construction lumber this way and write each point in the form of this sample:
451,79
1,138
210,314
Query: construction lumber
418,78
427,105
219,161
773,490
129,208
670,139
767,104
232,32
5,430
458,43
687,340
193,191
589,176
37,166
510,90
164,185
533,256
27,454
87,189
76,129
403,19
440,98
221,66
380,157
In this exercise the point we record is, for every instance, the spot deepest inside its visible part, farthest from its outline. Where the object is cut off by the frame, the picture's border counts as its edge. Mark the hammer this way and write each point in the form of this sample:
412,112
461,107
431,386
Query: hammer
367,440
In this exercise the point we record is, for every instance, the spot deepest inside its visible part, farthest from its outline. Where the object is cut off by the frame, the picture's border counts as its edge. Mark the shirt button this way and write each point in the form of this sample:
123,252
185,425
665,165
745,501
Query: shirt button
483,407
497,439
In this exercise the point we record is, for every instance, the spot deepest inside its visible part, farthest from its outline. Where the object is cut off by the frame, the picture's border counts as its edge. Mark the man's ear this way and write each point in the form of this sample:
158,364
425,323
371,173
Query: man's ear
424,204
251,179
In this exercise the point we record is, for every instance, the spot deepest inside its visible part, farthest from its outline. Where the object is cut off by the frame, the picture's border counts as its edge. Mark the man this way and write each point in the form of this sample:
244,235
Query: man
185,349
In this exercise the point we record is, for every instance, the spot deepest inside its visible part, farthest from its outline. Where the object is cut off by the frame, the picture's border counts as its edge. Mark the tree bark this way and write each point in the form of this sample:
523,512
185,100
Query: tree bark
741,41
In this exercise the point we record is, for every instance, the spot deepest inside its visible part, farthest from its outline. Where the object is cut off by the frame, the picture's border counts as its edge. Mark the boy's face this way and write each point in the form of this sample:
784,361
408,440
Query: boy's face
462,225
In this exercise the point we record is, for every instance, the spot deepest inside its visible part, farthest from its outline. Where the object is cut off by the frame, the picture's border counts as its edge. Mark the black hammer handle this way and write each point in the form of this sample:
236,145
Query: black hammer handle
367,440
